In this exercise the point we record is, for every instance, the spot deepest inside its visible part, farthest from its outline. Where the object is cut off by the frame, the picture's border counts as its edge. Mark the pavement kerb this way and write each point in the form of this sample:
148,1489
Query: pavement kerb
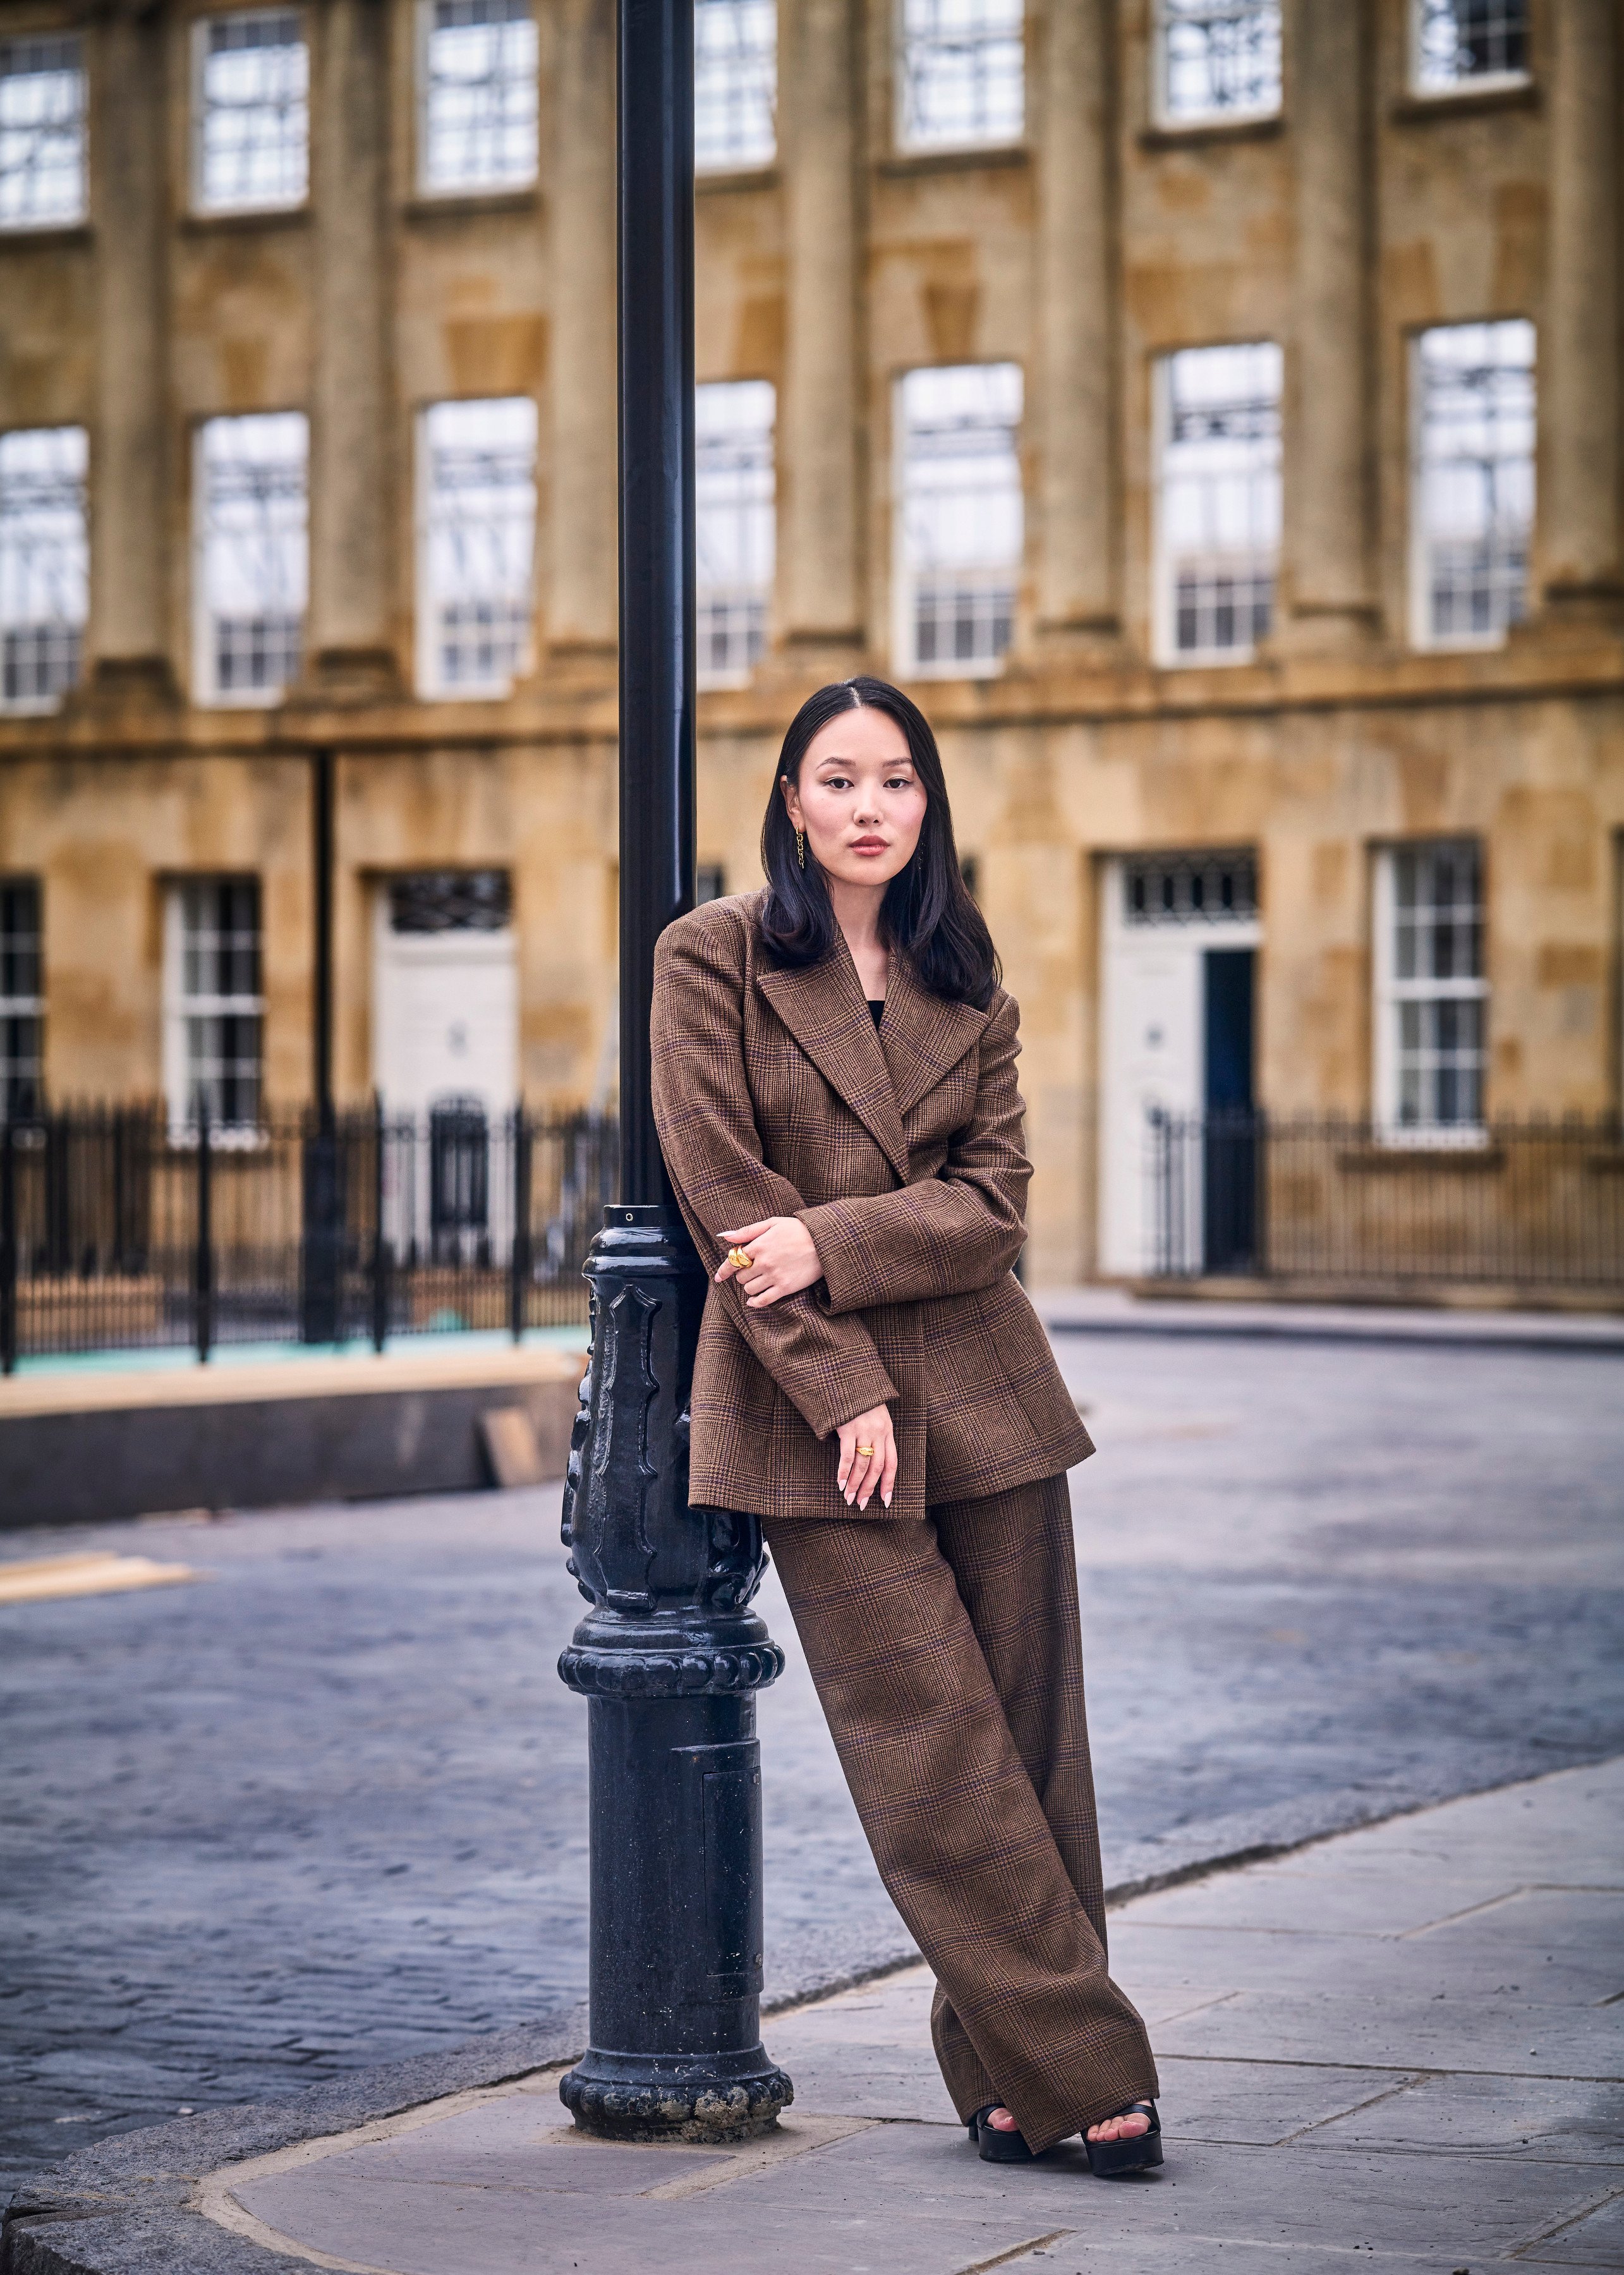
130,2205
1109,1311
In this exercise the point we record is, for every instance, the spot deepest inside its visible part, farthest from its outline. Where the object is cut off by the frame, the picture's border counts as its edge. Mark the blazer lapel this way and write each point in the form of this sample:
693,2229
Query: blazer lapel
825,1009
924,1036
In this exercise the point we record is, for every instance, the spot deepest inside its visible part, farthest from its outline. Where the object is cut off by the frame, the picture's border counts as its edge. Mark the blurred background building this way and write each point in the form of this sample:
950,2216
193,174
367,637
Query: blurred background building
1210,410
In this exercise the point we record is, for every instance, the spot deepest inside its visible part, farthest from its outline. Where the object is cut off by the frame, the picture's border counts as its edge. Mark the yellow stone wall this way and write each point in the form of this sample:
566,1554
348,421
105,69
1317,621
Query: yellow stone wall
1316,755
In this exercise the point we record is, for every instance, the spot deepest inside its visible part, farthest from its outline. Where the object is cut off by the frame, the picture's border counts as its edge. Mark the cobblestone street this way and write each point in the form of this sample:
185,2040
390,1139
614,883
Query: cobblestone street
325,1808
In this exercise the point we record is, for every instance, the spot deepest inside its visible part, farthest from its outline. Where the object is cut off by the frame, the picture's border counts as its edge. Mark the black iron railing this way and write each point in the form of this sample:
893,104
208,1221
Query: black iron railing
1528,1205
120,1229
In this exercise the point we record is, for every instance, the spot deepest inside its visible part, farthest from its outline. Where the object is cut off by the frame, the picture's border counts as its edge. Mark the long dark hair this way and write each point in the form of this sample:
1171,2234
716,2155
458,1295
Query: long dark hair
927,912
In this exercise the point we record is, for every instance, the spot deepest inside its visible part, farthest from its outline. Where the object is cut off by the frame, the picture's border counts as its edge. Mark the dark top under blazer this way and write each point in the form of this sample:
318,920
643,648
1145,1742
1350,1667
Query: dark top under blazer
900,1151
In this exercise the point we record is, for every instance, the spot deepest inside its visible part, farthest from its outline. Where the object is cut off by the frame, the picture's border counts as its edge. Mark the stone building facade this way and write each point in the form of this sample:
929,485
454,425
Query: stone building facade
1211,411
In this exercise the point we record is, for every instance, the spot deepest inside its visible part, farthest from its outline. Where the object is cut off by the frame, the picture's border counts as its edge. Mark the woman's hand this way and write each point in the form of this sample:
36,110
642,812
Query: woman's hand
861,1472
783,1259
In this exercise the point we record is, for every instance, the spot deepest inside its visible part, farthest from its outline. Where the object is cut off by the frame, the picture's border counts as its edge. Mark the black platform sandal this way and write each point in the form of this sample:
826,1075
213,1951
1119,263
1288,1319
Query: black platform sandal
1137,2154
997,2146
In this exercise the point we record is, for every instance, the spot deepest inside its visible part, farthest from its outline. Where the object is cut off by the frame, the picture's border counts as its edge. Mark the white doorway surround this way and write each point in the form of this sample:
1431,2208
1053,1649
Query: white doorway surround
1161,917
446,1001
445,1054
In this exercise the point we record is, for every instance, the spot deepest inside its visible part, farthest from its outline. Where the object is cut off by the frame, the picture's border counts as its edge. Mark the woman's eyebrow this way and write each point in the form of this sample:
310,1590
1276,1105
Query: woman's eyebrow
833,759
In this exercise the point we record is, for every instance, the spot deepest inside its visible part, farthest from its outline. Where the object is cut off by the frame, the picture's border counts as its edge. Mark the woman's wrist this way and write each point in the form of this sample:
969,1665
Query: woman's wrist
868,1458
774,1258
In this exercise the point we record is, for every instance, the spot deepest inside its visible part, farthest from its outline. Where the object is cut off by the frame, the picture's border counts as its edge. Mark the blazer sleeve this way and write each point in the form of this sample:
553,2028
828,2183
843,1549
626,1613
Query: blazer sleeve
958,1231
828,1368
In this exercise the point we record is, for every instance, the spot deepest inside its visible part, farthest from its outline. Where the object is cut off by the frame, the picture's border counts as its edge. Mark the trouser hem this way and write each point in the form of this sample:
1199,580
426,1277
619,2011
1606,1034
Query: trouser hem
1136,2080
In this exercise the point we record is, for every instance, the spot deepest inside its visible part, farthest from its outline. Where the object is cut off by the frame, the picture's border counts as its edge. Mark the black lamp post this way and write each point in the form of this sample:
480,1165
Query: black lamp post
669,1656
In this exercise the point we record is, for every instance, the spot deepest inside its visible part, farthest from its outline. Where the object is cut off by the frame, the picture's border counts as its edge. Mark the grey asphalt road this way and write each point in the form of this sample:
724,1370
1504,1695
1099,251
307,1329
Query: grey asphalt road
325,1808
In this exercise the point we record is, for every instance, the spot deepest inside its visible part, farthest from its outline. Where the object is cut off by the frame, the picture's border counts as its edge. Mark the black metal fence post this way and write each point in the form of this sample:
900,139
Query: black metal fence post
203,1281
669,1656
321,1244
8,1246
519,1257
57,1131
380,1243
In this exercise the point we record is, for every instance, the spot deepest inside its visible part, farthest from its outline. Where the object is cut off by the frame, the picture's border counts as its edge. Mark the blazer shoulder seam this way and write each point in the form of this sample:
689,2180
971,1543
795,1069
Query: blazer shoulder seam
725,921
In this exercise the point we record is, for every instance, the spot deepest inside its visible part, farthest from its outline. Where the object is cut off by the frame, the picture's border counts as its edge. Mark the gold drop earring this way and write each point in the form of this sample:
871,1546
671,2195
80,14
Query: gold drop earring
800,847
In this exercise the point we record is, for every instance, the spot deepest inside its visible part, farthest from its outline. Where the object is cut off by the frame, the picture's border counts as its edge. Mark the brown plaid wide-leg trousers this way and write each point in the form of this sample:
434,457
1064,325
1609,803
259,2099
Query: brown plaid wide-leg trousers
948,1658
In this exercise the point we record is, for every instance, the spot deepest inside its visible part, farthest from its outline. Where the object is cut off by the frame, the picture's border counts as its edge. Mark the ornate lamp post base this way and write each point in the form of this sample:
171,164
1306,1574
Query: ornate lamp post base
676,2106
670,1660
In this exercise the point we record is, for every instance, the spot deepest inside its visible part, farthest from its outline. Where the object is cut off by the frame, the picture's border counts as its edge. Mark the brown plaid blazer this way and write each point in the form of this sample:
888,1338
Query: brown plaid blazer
900,1151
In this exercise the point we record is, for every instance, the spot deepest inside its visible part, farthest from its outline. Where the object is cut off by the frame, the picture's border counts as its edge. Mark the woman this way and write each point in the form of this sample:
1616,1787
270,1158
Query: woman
833,1073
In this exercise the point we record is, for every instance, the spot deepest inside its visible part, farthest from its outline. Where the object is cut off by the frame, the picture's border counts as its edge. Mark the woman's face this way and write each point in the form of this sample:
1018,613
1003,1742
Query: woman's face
859,799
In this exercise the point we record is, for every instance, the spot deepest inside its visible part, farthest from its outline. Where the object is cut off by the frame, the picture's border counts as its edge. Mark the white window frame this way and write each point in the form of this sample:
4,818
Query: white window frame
430,683
473,185
25,1007
204,655
1472,82
905,572
291,200
39,705
910,139
1164,610
1214,114
1421,632
78,125
179,1007
745,593
759,154
1390,993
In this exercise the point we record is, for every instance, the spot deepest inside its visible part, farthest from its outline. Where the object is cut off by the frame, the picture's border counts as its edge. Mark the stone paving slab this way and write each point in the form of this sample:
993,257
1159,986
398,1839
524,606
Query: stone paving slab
1470,1957
1439,2143
1303,2197
1569,2120
1594,2240
1372,2032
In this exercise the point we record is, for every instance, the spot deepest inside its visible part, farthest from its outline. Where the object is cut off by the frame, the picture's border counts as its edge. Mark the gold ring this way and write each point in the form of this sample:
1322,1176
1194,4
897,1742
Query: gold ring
867,1452
740,1258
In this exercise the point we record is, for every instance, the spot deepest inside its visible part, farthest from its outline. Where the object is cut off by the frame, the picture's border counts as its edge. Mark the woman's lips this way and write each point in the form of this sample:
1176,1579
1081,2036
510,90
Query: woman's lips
869,845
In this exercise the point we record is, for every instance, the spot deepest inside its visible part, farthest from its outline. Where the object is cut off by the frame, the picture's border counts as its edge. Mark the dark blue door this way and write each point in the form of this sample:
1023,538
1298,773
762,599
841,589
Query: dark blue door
1230,1162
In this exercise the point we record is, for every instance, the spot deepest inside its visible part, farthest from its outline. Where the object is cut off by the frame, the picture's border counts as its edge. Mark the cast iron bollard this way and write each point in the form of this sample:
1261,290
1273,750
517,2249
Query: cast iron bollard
669,1659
